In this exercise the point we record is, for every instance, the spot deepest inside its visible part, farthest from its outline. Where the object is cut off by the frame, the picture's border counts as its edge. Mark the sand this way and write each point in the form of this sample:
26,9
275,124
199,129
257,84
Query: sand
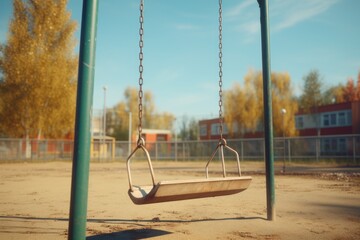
35,201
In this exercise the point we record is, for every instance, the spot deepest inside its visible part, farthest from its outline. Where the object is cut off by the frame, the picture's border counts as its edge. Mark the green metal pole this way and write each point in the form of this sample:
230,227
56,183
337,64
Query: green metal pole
85,89
268,125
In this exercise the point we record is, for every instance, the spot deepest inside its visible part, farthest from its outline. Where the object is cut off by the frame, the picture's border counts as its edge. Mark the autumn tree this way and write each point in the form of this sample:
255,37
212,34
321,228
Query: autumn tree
244,105
118,116
189,128
284,105
351,91
163,120
333,94
311,97
343,93
241,106
38,66
117,122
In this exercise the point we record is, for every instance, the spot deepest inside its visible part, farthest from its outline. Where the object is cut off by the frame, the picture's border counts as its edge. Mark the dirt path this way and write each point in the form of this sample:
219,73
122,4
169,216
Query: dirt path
34,204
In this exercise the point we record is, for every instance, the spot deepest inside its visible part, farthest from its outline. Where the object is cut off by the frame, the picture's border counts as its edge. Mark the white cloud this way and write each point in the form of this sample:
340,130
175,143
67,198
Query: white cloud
245,16
239,9
291,12
251,27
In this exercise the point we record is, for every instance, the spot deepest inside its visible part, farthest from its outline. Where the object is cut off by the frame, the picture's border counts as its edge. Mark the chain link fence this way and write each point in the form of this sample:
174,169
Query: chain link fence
340,147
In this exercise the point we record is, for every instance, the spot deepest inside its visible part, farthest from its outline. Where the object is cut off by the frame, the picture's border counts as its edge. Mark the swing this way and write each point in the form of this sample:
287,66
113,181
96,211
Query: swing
165,191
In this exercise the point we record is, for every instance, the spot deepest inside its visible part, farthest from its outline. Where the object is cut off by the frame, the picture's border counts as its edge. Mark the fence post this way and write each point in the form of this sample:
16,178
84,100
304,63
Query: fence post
317,147
242,149
183,150
289,150
354,150
156,151
176,145
284,154
19,152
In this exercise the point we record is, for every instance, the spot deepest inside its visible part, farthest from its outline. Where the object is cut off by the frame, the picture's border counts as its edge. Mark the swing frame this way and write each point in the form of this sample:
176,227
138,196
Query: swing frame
81,159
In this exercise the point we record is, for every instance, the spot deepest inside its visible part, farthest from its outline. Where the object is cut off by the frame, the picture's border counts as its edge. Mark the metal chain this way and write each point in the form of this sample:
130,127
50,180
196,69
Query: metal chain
141,68
220,70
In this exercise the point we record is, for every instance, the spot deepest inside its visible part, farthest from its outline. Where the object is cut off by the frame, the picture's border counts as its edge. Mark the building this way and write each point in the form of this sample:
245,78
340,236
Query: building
102,146
330,130
332,119
333,123
209,129
327,120
153,135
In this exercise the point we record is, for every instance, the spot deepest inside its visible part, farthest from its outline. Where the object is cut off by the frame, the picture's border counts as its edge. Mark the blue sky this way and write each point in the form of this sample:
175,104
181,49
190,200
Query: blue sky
181,46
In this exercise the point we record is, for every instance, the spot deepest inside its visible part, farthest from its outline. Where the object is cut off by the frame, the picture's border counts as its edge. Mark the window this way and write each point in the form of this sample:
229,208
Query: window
342,145
349,118
203,130
336,119
326,120
333,119
342,119
299,122
215,129
160,137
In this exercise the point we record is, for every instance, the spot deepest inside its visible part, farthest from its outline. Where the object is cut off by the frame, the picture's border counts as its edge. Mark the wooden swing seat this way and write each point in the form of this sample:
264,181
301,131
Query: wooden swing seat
176,190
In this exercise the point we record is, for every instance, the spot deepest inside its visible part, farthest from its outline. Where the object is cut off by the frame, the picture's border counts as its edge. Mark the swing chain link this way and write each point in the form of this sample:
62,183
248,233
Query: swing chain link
220,71
141,68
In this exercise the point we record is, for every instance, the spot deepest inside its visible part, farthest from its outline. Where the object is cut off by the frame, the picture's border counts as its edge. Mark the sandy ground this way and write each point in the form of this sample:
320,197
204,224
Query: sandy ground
34,204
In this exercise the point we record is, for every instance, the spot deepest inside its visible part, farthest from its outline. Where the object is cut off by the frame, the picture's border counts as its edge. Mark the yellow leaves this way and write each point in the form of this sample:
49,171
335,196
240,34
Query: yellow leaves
244,105
150,119
39,69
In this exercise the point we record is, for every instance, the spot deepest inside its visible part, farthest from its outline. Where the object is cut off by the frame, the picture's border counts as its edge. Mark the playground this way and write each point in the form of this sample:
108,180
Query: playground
54,200
316,202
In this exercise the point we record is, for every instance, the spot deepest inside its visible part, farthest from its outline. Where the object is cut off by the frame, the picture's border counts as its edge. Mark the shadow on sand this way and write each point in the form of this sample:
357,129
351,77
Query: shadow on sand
130,234
143,229
144,232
